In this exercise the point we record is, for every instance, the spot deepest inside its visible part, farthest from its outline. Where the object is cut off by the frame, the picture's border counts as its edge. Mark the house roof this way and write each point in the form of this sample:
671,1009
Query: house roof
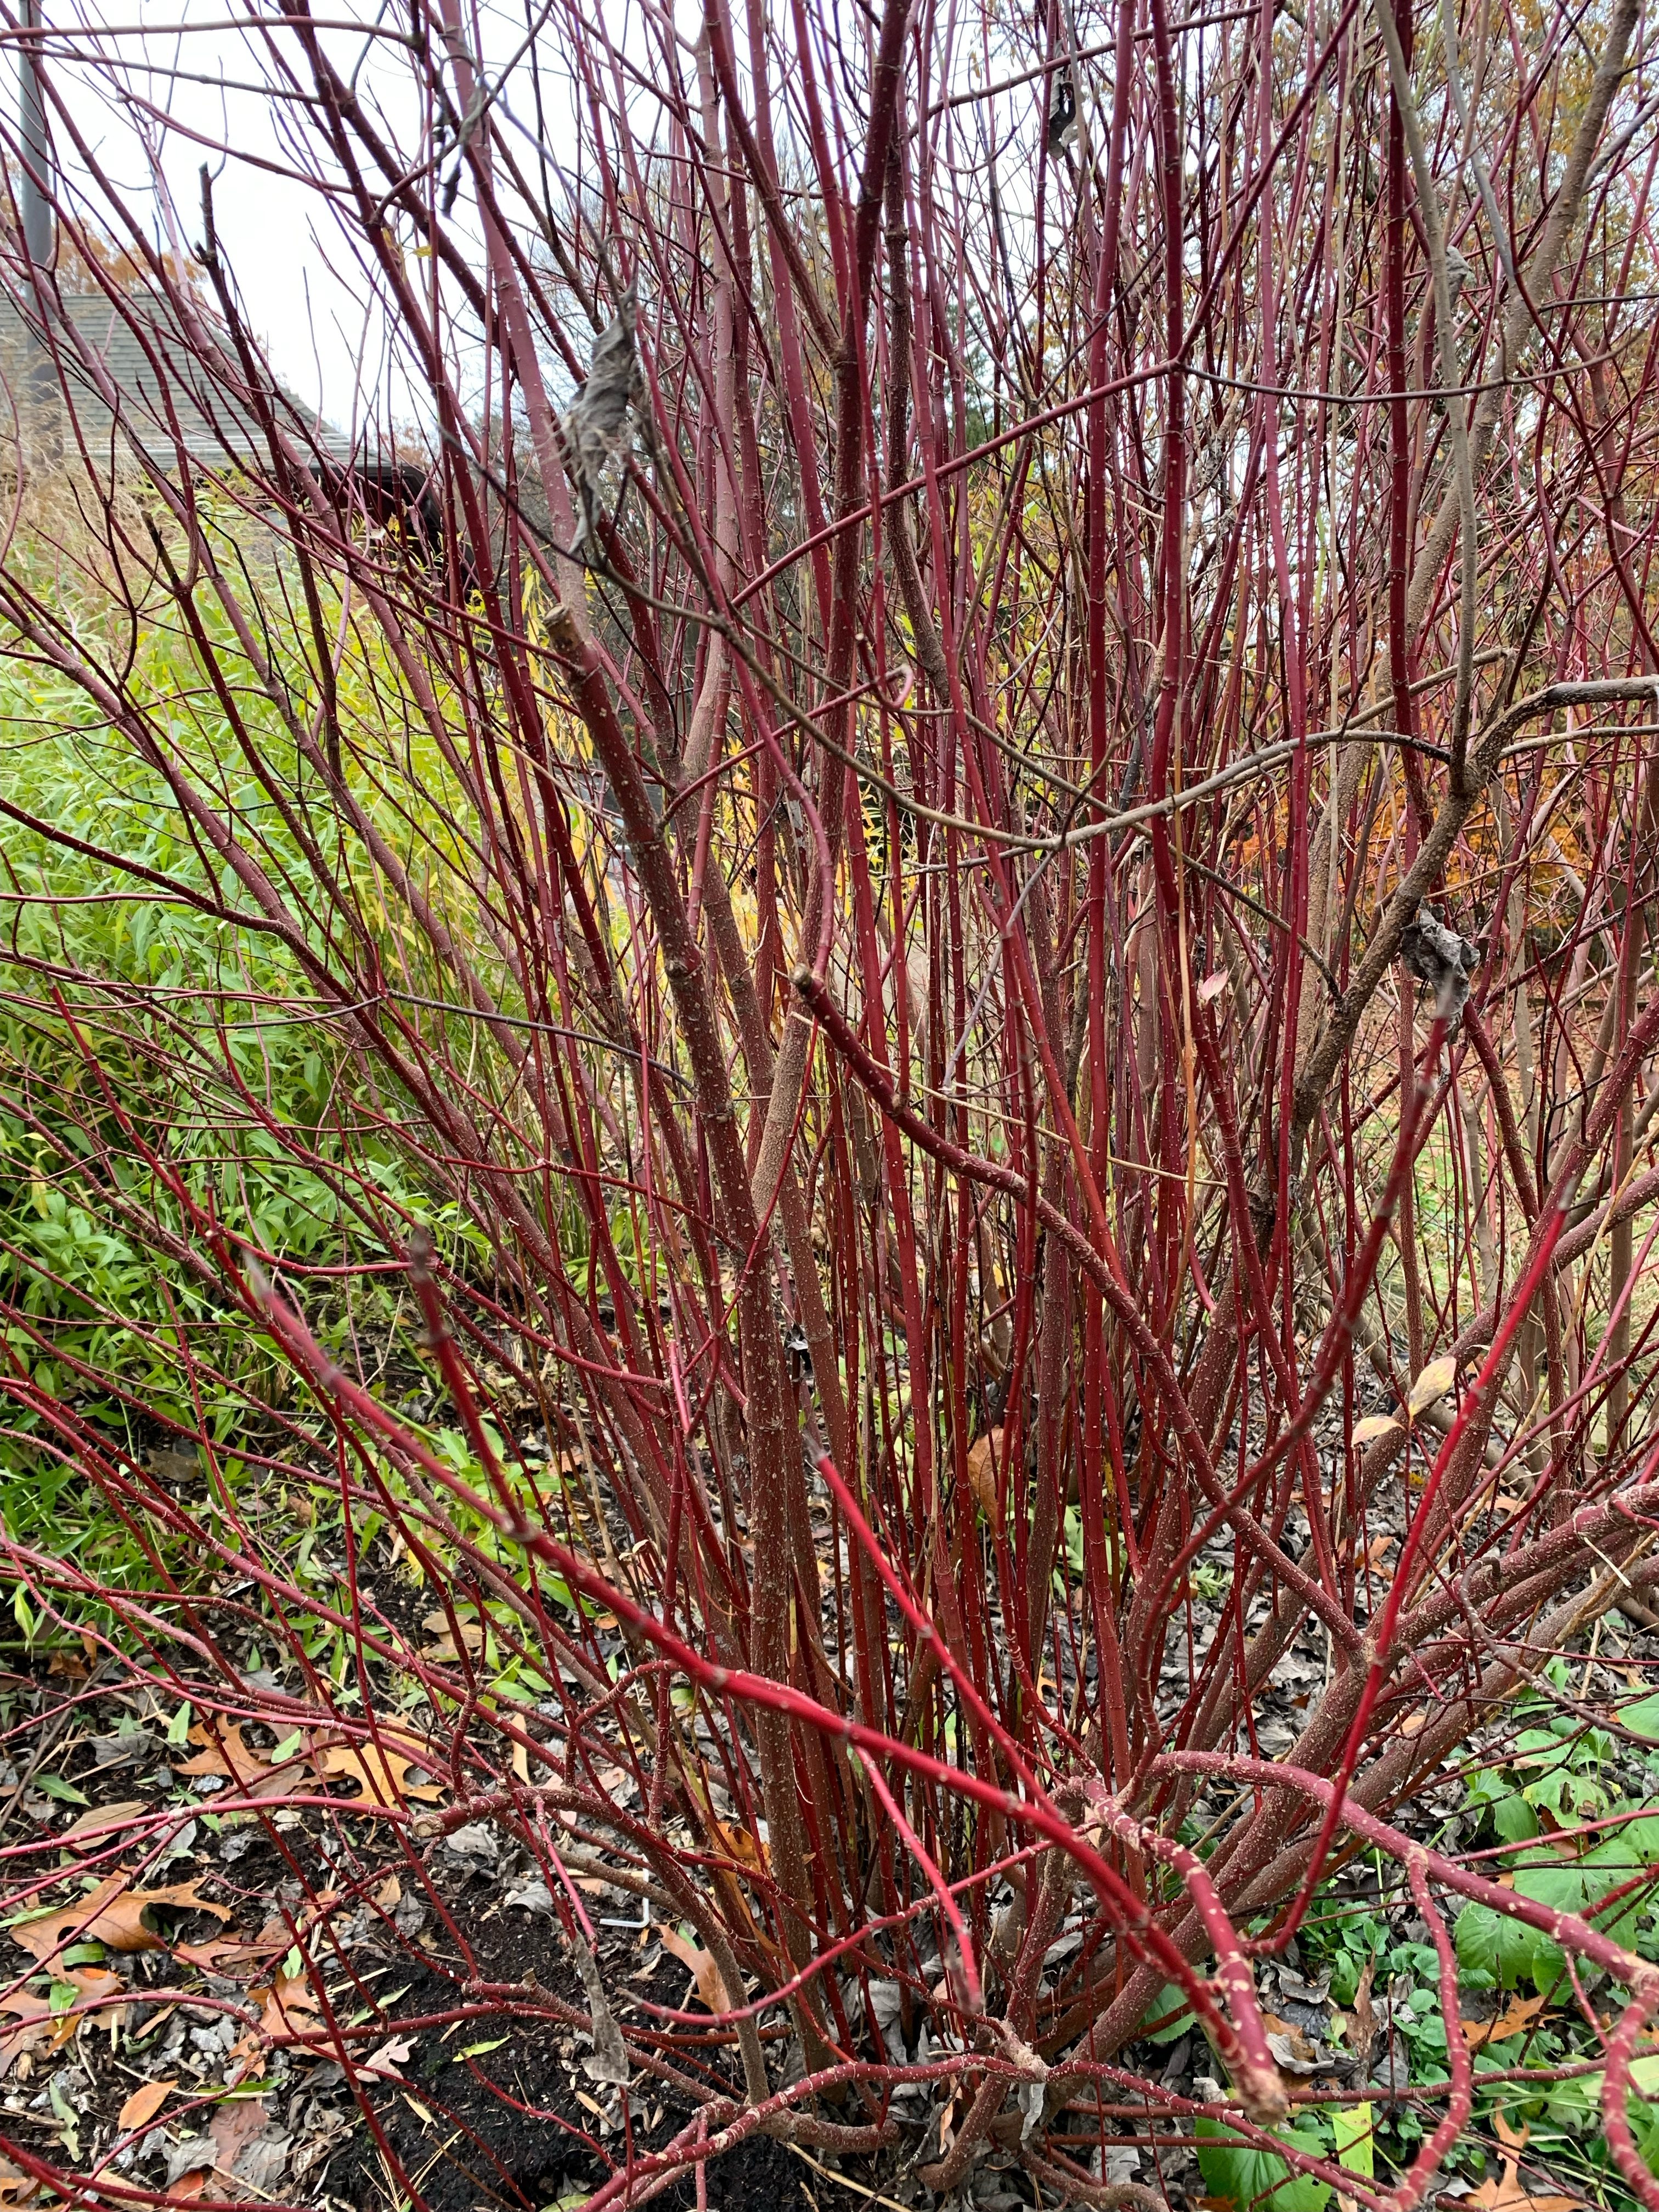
169,396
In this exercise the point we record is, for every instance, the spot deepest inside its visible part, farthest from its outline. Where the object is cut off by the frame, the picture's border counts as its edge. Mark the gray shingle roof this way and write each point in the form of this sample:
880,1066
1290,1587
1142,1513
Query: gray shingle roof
168,396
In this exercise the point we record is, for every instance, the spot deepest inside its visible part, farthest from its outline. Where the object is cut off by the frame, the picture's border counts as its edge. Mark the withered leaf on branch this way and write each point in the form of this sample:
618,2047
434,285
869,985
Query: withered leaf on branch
608,2061
597,420
1437,956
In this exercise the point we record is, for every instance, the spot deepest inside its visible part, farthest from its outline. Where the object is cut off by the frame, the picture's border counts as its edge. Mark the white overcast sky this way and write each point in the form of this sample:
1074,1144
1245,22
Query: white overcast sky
303,294
302,291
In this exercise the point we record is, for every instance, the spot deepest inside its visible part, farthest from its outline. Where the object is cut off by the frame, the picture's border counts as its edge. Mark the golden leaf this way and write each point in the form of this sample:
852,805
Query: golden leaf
1375,1425
1433,1382
381,1773
983,1457
1517,2016
710,1988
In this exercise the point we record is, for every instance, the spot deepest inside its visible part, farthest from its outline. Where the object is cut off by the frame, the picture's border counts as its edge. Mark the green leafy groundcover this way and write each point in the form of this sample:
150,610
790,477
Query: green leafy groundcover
1570,1814
1236,2171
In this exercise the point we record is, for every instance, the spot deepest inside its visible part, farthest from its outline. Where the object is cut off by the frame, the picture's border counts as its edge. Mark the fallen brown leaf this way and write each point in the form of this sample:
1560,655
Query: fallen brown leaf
1362,2030
233,2125
710,1988
223,1751
437,1625
221,1952
1517,2016
90,1982
288,1997
34,2016
112,1914
1288,2046
38,2024
951,2114
144,2103
740,1844
262,2164
381,1773
389,2060
99,1819
1507,2192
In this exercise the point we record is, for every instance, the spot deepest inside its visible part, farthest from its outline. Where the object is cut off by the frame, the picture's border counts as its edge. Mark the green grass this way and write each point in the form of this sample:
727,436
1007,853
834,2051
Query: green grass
161,1064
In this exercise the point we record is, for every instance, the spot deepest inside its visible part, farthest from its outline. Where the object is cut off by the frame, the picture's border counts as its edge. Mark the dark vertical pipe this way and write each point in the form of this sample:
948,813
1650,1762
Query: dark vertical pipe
37,171
36,205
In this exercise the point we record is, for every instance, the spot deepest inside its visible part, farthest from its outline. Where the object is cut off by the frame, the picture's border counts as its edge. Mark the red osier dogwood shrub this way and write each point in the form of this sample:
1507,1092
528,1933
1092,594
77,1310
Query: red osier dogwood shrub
943,912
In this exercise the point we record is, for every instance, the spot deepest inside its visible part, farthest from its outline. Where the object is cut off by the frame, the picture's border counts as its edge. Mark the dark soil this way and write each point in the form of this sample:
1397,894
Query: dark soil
482,2106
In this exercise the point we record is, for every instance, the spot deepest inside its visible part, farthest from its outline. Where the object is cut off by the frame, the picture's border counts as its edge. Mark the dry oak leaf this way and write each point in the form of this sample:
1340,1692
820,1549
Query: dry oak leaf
984,1457
1288,2046
16,2188
261,2165
144,2103
1507,2192
705,1974
381,1772
739,1844
437,1624
288,1995
233,2125
1517,2016
389,2060
91,1983
224,1752
225,1954
37,2024
112,1914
